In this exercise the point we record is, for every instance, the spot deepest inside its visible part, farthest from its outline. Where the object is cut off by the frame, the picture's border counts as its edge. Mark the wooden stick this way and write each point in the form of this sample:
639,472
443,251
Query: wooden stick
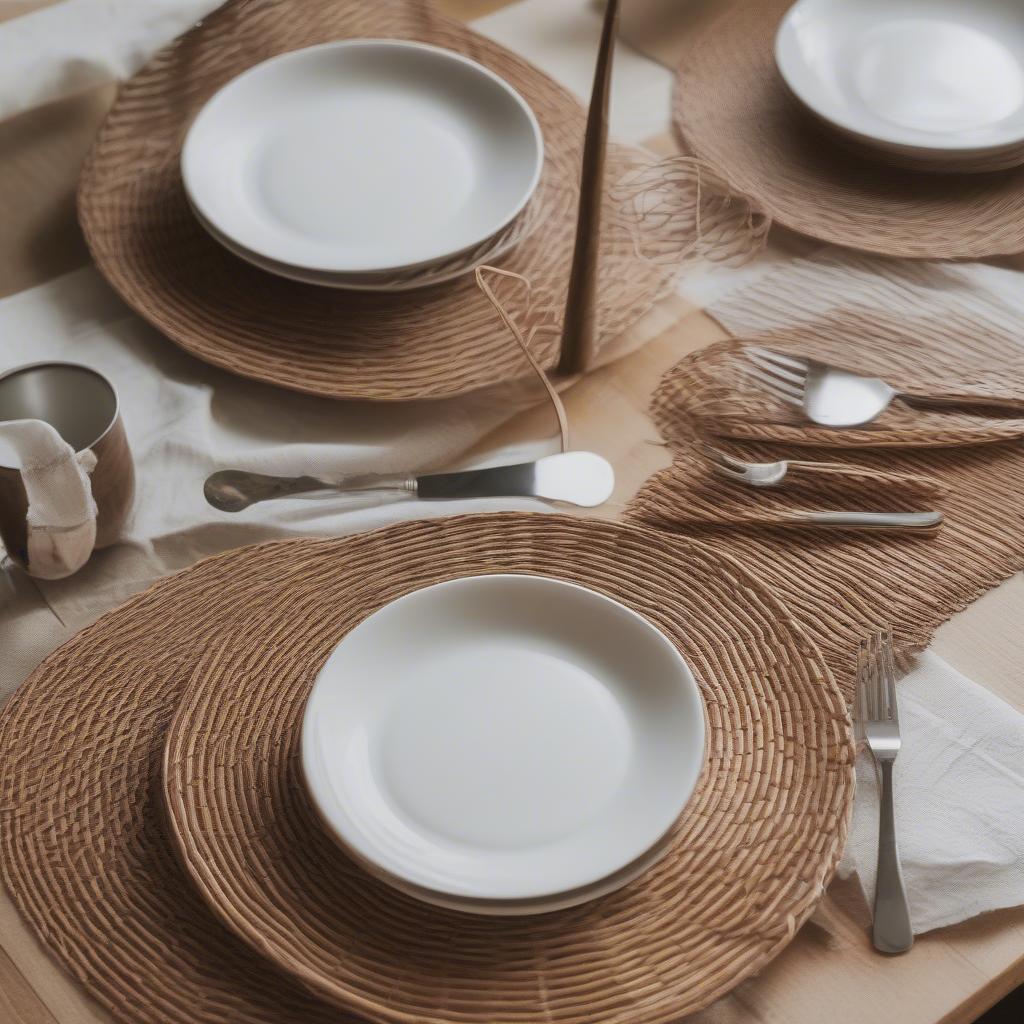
578,328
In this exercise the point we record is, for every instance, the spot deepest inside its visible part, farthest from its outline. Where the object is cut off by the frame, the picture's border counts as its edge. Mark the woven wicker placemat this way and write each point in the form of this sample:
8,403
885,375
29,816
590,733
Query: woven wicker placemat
438,341
770,808
85,854
734,112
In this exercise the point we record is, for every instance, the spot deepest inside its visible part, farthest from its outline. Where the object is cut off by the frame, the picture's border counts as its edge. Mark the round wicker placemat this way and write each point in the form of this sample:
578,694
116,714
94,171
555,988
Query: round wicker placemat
750,855
438,341
734,112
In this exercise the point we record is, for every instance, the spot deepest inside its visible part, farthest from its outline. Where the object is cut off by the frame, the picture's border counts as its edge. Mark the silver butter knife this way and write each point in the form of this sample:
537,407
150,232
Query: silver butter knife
579,478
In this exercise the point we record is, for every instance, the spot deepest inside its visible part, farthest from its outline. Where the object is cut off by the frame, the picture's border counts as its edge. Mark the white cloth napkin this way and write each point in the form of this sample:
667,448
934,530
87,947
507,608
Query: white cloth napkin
61,518
959,799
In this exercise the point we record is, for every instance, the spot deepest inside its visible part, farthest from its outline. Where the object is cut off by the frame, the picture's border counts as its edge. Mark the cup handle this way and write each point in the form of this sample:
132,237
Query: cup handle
61,518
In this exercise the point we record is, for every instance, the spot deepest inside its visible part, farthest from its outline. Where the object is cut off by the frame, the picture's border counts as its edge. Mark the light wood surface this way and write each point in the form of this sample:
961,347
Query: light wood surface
830,971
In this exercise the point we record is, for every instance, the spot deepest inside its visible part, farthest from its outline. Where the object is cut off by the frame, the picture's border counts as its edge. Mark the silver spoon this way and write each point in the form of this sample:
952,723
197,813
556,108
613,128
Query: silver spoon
579,478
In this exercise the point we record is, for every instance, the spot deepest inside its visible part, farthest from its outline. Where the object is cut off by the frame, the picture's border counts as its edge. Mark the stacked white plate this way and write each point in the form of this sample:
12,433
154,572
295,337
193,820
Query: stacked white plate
367,164
935,85
503,744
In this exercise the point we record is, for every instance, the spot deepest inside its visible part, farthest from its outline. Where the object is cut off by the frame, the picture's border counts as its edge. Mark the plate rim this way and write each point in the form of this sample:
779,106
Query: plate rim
187,156
690,691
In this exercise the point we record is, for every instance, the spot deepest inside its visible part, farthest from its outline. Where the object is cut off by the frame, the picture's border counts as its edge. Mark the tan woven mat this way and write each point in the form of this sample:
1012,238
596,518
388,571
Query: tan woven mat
842,584
433,342
86,857
713,392
734,112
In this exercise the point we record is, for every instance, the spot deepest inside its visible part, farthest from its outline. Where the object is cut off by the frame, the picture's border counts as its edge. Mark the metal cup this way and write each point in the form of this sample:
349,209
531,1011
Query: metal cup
82,406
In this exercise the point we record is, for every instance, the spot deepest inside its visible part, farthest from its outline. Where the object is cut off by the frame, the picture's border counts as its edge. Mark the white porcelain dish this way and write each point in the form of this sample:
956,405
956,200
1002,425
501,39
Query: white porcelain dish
362,156
388,281
922,82
503,738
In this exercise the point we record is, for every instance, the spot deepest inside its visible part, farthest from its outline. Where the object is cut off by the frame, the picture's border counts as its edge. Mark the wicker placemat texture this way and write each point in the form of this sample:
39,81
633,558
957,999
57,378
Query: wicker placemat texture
734,112
854,582
439,341
87,859
713,500
712,392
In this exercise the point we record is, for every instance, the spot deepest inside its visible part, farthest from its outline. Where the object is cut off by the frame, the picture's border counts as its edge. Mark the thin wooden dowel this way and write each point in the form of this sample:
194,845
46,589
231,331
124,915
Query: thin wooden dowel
579,325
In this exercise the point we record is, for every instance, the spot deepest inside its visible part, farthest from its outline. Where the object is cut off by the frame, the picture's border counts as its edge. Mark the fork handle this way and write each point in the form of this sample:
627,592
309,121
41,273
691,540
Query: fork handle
868,520
892,931
1006,402
800,471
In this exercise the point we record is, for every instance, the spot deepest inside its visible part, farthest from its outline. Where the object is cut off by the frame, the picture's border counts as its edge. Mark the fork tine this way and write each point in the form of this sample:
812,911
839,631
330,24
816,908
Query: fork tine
873,677
732,474
779,389
877,683
860,707
779,358
776,369
889,672
719,457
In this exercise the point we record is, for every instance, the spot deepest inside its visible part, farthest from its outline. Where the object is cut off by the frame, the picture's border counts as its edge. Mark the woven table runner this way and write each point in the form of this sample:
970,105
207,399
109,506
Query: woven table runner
920,326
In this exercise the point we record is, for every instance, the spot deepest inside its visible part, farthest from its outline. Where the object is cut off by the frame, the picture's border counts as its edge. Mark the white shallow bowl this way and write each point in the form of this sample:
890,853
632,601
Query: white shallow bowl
388,281
925,83
503,738
362,156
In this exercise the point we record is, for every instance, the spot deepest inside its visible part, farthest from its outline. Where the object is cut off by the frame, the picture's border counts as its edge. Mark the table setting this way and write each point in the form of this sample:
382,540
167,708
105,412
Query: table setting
510,524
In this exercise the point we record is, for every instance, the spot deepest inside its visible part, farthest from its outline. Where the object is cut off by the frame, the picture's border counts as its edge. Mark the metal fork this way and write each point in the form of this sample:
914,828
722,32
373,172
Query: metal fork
878,720
833,397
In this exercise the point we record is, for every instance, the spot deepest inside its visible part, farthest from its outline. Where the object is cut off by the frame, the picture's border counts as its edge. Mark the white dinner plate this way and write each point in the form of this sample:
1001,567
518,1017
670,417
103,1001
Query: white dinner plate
922,81
389,281
502,738
362,156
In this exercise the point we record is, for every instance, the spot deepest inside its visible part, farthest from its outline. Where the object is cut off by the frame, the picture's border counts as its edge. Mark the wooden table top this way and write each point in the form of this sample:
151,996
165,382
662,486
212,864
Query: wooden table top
830,970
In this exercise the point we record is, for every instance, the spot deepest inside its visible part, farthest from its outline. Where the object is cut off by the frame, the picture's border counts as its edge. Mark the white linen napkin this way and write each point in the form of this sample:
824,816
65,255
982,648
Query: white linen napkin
959,798
61,518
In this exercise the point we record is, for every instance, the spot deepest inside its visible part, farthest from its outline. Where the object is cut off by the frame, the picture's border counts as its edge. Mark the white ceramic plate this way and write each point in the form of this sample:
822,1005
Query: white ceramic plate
362,156
928,80
389,281
502,738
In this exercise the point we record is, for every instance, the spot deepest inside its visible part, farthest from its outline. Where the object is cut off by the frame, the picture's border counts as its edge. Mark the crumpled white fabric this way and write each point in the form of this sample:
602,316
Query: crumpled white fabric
185,419
61,519
959,797
76,44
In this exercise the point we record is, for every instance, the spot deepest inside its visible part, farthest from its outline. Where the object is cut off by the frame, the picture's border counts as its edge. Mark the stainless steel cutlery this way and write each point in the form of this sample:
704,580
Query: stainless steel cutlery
877,717
776,474
833,397
578,478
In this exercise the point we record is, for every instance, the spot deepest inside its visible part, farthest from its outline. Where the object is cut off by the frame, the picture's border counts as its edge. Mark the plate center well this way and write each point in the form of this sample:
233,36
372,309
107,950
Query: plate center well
501,747
937,76
387,168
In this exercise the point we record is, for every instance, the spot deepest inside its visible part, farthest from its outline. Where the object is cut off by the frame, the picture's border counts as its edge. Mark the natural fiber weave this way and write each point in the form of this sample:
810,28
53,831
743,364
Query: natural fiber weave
85,856
916,331
713,500
733,111
439,341
712,391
